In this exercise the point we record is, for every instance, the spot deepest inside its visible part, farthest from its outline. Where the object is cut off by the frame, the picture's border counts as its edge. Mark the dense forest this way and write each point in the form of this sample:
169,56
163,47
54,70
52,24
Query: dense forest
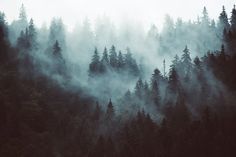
118,93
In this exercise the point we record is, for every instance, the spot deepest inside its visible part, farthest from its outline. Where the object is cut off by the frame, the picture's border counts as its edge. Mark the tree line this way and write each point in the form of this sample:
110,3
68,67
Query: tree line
113,62
188,112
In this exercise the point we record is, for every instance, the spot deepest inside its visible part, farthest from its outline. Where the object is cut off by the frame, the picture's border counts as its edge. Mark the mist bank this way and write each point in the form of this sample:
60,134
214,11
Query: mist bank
108,60
158,44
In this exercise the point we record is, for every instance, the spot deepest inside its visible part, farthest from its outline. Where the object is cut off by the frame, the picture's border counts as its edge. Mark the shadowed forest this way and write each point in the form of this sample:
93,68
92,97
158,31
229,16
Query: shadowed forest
118,91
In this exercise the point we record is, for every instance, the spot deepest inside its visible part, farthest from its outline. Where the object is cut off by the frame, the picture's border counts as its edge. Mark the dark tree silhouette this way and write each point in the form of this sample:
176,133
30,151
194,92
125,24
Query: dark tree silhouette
110,112
120,61
223,21
139,88
104,61
94,67
113,57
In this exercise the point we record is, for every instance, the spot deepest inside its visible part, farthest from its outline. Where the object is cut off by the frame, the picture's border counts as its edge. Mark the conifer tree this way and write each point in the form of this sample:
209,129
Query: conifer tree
113,57
104,61
57,50
173,79
223,21
205,18
3,38
139,88
22,15
130,63
155,95
58,60
156,76
120,62
110,111
32,36
176,62
94,66
233,20
186,62
22,23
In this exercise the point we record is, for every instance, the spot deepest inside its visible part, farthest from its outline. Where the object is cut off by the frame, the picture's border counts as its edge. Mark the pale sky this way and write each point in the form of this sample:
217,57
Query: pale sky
145,11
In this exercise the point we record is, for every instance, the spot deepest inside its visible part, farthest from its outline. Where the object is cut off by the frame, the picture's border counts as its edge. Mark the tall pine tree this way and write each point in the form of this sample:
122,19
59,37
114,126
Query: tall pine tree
223,21
113,57
94,66
233,20
186,63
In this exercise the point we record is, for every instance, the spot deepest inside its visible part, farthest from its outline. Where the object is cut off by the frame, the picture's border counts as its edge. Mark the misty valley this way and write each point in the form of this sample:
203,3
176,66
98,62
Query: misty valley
107,90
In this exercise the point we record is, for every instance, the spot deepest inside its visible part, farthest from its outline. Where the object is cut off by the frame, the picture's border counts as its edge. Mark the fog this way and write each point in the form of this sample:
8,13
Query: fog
67,54
144,11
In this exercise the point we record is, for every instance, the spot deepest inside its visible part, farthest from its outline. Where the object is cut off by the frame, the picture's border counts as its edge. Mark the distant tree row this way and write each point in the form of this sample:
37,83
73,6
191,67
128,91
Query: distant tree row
113,62
201,35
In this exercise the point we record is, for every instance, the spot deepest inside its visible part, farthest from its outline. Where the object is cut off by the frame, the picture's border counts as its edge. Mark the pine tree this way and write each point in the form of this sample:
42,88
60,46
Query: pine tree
233,20
32,35
20,40
139,88
113,57
130,64
3,38
173,80
146,88
22,23
104,61
176,62
223,21
155,95
186,62
156,76
58,60
27,41
205,18
199,69
186,59
197,62
22,15
120,62
57,50
110,111
94,66
3,26
146,92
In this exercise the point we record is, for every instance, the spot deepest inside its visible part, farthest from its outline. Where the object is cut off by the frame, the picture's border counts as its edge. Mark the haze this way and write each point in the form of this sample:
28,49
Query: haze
144,11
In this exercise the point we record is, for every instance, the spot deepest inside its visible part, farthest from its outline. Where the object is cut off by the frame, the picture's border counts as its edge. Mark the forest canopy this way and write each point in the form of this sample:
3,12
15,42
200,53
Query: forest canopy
110,93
